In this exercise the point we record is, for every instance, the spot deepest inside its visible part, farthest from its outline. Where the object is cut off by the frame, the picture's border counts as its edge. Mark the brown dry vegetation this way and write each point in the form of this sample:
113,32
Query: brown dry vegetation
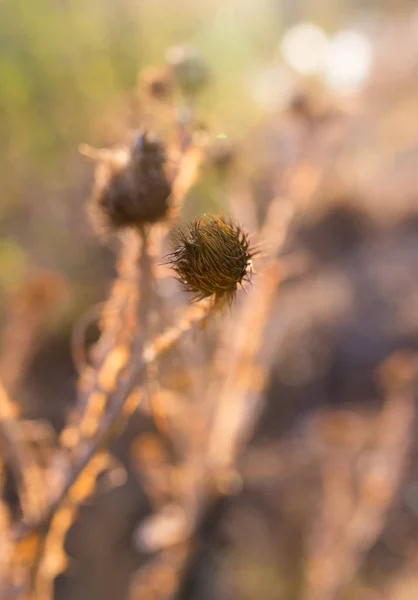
264,451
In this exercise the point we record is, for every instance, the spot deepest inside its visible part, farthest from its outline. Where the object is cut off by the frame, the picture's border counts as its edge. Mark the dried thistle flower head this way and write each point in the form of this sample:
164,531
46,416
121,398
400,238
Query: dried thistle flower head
211,257
189,68
131,187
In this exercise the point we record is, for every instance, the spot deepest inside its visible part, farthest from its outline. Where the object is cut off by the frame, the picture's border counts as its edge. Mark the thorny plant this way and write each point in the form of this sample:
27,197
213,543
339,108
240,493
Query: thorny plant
137,199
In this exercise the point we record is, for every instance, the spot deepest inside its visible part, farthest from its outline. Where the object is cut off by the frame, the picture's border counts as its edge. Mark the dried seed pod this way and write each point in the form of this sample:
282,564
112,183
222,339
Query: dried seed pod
189,68
211,257
131,187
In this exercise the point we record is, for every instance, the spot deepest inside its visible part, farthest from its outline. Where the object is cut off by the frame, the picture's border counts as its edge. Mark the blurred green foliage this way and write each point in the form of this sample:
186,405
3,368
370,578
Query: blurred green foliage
62,60
59,62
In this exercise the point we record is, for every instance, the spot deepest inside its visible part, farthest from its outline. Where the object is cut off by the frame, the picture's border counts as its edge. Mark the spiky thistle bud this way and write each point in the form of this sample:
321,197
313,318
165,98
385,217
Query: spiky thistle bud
131,187
211,256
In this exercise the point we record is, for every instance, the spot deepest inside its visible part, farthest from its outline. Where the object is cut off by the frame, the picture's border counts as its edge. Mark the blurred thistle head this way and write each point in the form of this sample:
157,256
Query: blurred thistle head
157,82
189,68
300,105
131,186
211,256
221,154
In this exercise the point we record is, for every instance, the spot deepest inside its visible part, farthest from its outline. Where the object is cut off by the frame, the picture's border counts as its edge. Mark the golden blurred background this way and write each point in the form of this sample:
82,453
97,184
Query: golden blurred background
319,101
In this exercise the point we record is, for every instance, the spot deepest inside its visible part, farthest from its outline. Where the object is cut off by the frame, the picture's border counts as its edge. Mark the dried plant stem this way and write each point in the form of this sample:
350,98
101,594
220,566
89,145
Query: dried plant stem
146,286
111,353
186,176
121,397
347,530
148,300
78,350
219,431
101,404
237,405
27,472
245,378
53,559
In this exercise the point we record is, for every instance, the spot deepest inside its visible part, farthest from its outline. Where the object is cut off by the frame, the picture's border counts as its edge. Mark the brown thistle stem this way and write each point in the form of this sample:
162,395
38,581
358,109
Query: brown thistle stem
110,354
28,475
141,359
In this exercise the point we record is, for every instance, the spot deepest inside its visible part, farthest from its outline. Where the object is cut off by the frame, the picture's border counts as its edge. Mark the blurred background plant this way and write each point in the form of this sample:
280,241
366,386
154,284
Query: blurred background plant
301,119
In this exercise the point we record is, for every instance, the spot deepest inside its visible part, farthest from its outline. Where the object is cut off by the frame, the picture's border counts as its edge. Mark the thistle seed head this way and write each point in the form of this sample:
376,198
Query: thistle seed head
211,256
131,188
189,68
